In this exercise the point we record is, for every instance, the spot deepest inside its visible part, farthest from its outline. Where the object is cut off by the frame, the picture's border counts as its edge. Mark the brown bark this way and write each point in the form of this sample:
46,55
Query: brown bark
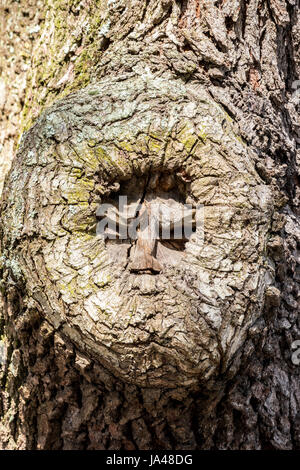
195,355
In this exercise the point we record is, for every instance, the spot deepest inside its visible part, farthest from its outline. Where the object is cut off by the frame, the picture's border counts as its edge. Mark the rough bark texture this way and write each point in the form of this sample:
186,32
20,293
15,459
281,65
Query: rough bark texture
96,355
19,25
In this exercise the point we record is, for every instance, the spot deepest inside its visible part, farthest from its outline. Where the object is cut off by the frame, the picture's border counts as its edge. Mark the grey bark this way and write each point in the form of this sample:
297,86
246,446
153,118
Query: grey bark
198,353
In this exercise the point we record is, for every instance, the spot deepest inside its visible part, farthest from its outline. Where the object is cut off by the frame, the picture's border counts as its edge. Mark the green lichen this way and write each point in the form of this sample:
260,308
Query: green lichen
80,192
187,137
63,44
203,135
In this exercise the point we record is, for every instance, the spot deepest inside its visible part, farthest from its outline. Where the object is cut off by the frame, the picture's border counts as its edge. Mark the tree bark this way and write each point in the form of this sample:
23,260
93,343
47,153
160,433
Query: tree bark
122,98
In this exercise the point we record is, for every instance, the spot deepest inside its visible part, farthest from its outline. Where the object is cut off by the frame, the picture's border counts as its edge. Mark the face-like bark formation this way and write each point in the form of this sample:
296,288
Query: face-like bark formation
179,325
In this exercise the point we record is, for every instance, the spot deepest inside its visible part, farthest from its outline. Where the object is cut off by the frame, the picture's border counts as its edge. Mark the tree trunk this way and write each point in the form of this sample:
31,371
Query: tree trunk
147,343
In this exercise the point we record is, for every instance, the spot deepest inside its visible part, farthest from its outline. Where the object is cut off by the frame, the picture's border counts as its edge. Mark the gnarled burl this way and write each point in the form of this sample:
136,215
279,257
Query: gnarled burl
146,342
176,326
